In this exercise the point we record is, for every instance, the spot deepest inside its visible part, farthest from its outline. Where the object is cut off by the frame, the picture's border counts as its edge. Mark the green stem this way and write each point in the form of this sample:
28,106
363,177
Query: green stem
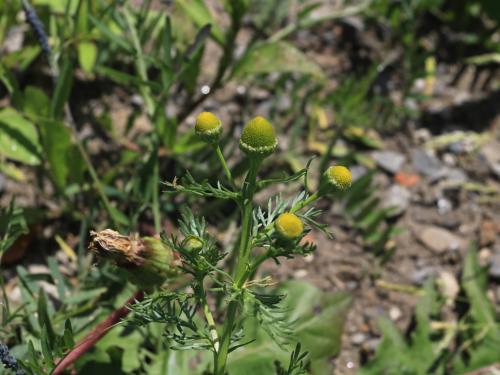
222,160
305,202
155,199
202,296
241,274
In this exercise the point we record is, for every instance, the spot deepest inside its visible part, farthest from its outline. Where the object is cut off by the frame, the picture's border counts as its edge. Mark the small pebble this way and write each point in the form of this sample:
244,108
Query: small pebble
358,338
300,274
438,239
395,313
494,270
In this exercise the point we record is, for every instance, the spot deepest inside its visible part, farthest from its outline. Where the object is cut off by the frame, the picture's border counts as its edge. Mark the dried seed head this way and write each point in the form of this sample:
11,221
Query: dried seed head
258,138
289,225
339,176
148,260
208,127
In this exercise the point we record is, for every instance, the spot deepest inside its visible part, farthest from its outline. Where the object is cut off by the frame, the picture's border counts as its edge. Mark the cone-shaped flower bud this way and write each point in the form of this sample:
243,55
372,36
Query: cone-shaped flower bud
148,260
208,127
339,176
192,244
258,138
289,226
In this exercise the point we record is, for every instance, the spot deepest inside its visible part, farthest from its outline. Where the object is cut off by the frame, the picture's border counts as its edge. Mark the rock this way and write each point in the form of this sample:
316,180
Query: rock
494,270
13,40
427,164
389,160
397,197
449,159
444,206
300,274
448,286
2,181
420,276
438,239
487,232
358,338
395,313
491,154
455,175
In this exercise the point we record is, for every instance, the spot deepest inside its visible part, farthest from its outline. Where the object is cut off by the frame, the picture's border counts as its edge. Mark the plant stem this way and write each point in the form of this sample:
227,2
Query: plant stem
96,334
241,273
202,297
305,202
155,201
222,160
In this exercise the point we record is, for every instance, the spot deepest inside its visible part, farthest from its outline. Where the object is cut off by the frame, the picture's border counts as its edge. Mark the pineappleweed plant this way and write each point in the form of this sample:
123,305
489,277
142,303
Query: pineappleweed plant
225,286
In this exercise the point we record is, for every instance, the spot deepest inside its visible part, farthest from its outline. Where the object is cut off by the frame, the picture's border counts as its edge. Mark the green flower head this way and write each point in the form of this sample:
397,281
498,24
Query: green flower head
193,244
208,127
258,138
339,176
289,226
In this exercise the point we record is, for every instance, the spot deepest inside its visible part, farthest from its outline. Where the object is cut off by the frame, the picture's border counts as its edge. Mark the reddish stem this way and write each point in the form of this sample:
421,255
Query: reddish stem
96,334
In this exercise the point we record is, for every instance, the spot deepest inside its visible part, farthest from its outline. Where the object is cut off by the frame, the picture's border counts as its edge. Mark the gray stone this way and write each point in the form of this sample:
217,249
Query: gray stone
491,154
2,182
389,160
455,175
444,206
358,338
494,269
420,276
448,286
358,171
438,239
397,197
428,164
395,313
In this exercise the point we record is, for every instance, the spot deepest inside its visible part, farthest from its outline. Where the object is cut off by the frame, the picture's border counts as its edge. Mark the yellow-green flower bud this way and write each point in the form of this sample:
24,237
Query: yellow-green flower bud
192,243
258,138
147,260
289,226
339,176
208,127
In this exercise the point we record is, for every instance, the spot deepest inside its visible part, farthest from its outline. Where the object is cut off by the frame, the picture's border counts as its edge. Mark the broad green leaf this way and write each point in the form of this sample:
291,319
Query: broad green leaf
87,55
12,225
318,317
62,90
12,171
44,320
280,57
321,320
473,282
56,145
22,59
110,34
124,78
18,138
485,351
198,12
36,103
180,362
